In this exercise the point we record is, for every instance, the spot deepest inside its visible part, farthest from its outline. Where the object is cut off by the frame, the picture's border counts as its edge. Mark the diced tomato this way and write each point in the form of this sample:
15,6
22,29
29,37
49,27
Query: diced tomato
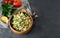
5,1
17,3
10,1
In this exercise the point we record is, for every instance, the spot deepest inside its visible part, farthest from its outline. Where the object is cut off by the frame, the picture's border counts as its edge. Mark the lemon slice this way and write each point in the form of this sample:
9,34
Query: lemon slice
23,10
4,19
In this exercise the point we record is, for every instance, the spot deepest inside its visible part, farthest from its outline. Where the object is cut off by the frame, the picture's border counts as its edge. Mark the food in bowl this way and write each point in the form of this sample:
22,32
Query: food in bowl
20,22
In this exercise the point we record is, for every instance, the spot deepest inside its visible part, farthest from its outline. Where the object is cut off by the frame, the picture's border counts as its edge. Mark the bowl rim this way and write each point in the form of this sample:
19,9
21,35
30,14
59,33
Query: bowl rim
18,32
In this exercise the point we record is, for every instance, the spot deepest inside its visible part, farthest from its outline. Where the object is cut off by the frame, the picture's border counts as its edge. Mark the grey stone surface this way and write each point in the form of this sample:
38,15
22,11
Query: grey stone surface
7,33
46,26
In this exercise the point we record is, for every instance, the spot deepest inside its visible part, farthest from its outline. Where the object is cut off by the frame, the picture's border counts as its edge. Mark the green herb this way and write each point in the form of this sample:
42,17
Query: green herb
7,9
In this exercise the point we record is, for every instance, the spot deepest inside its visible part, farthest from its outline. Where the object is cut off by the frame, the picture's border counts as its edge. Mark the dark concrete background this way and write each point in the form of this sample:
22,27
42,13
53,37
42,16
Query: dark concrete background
46,26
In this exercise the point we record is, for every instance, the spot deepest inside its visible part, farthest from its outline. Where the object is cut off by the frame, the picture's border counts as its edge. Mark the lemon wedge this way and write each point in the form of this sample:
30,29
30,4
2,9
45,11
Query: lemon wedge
23,10
4,19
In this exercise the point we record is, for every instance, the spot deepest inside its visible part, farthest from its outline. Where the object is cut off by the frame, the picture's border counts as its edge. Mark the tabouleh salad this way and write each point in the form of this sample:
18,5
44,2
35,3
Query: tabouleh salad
21,21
